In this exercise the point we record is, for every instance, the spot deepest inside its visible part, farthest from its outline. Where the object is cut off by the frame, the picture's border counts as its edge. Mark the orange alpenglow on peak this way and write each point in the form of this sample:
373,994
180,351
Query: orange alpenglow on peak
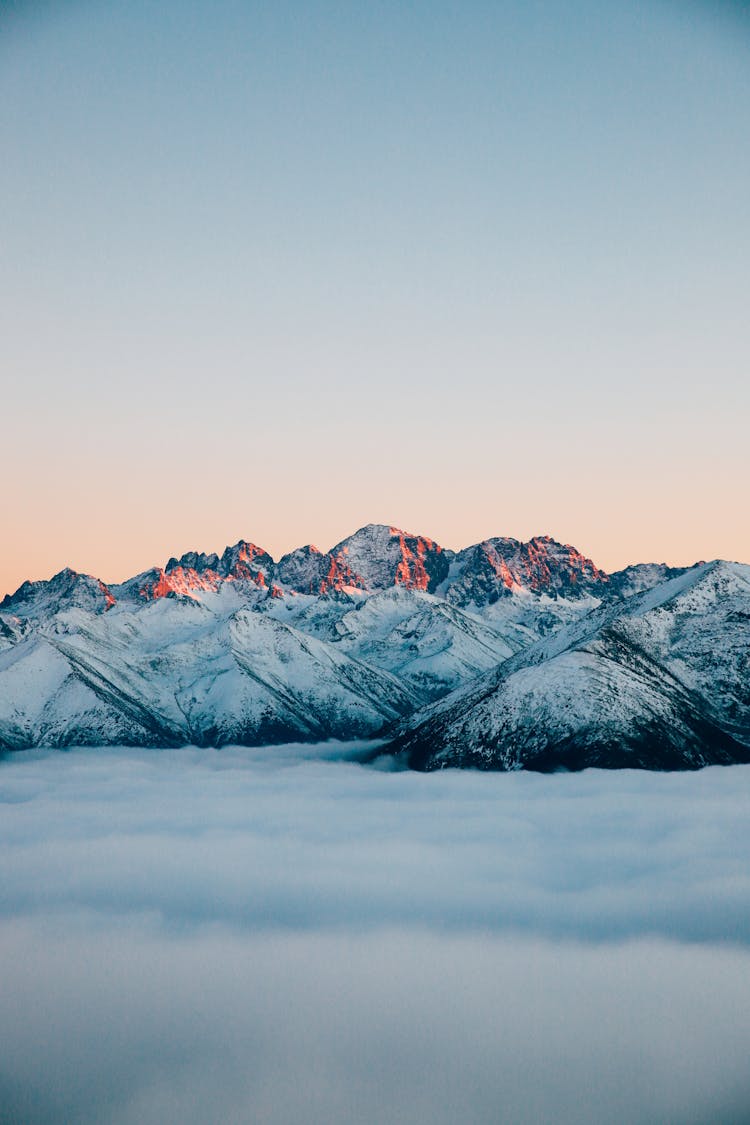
411,571
180,580
243,567
109,598
541,565
500,568
340,575
374,558
194,573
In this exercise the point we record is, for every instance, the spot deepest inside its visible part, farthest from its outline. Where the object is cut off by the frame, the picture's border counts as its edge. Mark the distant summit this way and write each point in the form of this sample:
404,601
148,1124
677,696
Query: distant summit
376,557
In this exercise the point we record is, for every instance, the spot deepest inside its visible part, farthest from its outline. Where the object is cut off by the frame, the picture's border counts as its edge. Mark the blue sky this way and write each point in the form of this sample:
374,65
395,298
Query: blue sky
279,270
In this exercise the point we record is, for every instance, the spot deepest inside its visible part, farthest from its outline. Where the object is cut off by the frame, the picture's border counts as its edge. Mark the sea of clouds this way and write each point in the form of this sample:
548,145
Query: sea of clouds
291,935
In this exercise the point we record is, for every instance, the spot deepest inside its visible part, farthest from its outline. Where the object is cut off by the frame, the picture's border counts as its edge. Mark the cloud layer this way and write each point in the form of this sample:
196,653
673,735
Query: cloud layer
278,935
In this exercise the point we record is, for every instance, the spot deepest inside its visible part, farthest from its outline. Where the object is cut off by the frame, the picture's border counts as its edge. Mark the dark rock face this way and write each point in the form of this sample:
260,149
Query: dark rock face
245,560
497,567
194,560
310,571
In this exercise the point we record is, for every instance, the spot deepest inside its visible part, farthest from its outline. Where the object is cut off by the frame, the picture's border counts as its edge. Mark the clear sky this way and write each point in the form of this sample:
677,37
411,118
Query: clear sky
278,270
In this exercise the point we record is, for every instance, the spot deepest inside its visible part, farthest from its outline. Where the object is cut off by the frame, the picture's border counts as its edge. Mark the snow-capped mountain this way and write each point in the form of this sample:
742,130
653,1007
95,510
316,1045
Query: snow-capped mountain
502,655
177,672
657,680
481,574
375,558
66,590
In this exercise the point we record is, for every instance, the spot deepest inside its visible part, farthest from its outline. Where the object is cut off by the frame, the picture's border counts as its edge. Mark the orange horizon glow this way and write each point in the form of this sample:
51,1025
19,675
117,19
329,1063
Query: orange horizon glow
108,561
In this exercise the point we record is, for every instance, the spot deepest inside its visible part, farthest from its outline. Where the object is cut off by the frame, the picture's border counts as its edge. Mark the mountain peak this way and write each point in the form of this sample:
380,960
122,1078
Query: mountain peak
382,555
502,565
376,557
66,589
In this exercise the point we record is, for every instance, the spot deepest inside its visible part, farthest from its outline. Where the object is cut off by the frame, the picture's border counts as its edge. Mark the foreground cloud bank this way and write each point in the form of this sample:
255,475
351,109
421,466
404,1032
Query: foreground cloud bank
272,935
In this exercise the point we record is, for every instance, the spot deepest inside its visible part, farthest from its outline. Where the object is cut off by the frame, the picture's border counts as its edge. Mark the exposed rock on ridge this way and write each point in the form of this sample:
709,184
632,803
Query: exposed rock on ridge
660,680
505,655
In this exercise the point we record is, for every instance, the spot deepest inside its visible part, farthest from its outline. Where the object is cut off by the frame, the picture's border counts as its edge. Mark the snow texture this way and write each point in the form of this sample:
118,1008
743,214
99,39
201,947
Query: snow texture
505,655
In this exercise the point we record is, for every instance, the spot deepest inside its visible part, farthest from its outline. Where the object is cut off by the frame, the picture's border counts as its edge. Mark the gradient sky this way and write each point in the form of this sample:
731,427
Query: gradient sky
278,270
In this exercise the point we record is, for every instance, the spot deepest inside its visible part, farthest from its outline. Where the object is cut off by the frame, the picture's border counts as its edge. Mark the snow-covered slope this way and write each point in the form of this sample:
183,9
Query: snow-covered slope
176,672
501,655
660,680
431,645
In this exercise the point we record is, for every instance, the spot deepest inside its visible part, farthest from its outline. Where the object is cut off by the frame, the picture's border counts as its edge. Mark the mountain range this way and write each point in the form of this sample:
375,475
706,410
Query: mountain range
504,655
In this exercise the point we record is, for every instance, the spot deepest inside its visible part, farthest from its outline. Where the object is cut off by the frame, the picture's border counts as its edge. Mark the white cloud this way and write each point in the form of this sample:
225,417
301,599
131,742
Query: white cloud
273,936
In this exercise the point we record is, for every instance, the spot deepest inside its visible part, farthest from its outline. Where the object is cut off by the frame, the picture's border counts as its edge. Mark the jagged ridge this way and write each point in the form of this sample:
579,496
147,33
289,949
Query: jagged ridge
377,557
502,655
658,680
